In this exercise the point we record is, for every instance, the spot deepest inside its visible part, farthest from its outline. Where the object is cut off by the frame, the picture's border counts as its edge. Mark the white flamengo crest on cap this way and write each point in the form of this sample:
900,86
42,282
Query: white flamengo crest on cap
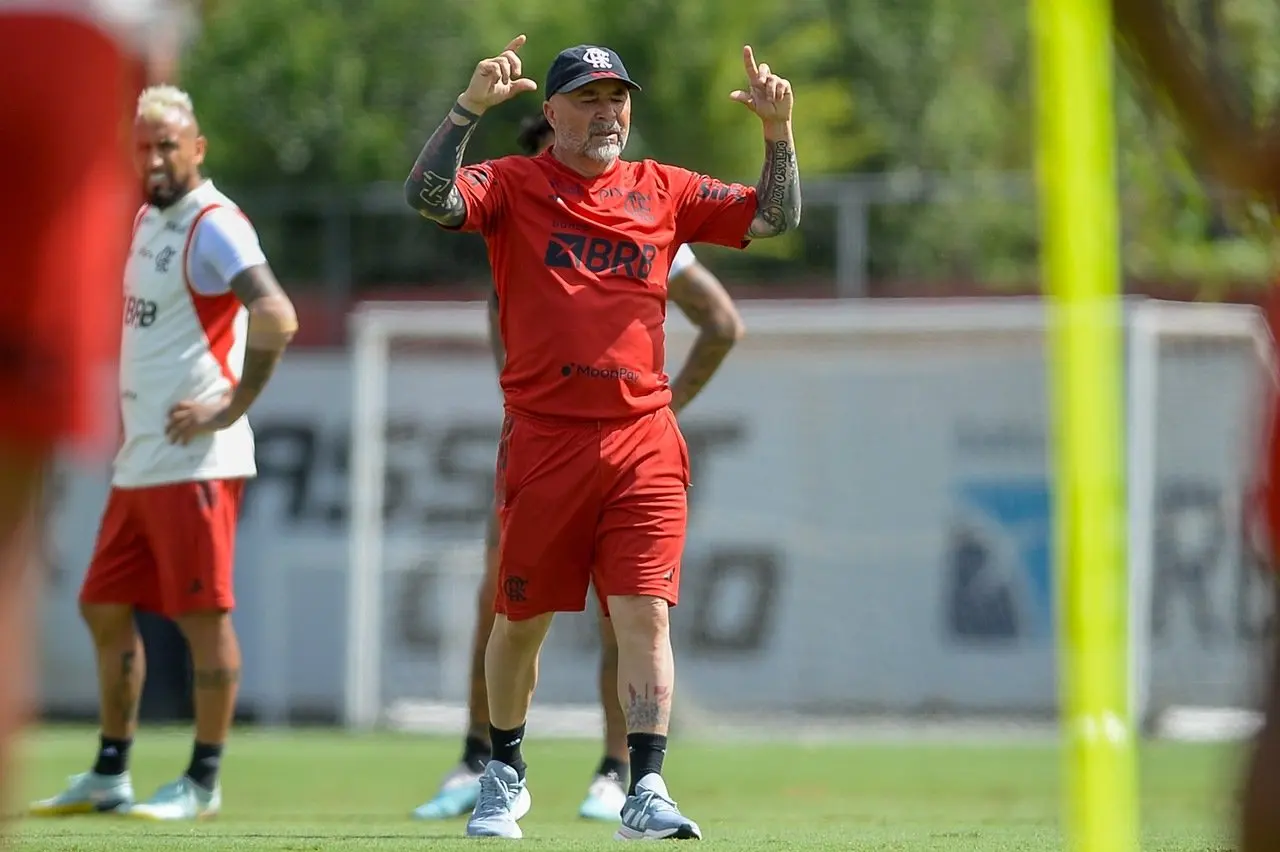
597,58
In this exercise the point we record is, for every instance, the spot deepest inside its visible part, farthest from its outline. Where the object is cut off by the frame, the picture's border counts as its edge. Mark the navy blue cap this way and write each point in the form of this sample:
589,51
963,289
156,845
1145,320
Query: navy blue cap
578,66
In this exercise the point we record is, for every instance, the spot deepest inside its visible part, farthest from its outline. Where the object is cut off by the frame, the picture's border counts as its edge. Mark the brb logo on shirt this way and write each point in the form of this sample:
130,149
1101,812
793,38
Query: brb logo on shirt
600,255
139,313
587,371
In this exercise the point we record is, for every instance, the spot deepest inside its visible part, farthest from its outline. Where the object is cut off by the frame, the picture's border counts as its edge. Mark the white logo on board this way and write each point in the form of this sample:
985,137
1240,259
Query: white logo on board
597,58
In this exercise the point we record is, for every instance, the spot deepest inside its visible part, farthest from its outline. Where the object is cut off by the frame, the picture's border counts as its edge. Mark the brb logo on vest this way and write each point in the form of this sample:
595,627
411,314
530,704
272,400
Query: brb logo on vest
139,312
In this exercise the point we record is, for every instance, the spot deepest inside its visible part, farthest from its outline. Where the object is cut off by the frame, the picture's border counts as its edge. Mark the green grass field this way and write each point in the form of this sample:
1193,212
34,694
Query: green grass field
322,790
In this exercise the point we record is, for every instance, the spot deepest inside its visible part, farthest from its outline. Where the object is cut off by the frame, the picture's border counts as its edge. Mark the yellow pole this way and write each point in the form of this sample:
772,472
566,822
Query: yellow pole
1075,163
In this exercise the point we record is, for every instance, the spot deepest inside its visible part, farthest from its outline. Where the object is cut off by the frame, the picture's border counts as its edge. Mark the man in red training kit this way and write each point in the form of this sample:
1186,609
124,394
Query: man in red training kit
1248,161
71,71
697,292
592,470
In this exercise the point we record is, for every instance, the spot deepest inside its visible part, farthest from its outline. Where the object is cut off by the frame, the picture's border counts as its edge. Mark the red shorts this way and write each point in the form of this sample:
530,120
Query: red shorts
66,205
168,549
598,503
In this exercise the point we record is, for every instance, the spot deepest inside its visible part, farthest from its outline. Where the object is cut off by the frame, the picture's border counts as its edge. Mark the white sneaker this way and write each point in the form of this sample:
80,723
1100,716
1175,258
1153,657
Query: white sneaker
180,800
651,814
88,793
504,799
605,798
457,795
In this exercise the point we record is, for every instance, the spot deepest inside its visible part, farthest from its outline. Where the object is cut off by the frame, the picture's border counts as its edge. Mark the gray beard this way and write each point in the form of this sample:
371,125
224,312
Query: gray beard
604,153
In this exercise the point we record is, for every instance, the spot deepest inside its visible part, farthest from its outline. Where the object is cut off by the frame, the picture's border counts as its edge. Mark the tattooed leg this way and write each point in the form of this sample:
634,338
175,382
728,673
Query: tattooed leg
121,667
215,662
646,678
215,658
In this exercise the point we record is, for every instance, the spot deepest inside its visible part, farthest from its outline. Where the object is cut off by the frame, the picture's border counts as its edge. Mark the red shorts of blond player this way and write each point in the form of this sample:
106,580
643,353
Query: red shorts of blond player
167,549
65,202
600,503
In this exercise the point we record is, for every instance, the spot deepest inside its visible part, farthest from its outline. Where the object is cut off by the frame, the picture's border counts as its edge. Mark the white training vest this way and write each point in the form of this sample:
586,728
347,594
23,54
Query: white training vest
177,345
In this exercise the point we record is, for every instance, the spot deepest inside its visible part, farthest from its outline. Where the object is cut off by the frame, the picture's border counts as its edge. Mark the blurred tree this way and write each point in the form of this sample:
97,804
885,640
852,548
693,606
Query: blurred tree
320,97
1178,226
319,92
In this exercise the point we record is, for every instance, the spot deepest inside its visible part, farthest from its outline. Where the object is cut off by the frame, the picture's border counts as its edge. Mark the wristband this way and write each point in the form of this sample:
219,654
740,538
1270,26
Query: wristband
464,112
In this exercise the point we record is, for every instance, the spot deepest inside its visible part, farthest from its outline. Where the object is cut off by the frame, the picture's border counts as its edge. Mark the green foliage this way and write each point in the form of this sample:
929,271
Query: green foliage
336,94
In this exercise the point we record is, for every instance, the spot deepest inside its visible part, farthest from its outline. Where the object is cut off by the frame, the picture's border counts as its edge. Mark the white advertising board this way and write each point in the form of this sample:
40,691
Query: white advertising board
870,532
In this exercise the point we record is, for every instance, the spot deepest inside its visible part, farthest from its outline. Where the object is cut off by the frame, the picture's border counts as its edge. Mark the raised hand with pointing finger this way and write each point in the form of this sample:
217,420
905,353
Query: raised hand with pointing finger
778,192
430,188
767,95
497,79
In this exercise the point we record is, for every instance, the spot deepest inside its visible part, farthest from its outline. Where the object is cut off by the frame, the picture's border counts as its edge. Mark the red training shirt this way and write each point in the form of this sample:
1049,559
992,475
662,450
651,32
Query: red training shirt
580,266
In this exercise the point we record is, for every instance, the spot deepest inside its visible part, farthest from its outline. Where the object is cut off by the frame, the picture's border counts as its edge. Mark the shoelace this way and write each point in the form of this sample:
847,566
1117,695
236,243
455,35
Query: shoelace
495,796
653,800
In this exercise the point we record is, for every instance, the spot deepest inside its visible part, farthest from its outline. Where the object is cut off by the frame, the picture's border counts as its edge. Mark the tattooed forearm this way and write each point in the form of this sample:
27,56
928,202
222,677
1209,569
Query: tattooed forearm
778,193
272,325
649,709
708,351
259,365
215,678
430,188
703,299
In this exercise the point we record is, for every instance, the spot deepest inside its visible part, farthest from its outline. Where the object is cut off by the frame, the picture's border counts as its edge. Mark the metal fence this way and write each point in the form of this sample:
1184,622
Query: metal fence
856,235
902,234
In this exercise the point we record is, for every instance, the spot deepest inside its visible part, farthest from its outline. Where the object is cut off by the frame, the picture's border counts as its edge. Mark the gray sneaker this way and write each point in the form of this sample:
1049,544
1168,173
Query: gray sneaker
650,814
88,793
503,800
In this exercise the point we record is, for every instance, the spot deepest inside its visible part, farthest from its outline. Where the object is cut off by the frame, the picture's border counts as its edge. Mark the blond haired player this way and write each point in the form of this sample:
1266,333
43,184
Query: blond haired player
1249,161
205,323
71,70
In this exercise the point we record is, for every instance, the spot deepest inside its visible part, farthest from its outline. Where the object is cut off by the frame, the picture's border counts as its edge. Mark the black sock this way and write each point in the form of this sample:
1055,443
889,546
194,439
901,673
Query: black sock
113,756
647,752
506,747
205,760
614,769
475,753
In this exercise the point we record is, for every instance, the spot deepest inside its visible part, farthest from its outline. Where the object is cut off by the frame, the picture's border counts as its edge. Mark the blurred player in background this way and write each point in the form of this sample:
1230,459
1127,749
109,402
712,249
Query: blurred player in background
592,470
205,323
703,299
71,70
1248,161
